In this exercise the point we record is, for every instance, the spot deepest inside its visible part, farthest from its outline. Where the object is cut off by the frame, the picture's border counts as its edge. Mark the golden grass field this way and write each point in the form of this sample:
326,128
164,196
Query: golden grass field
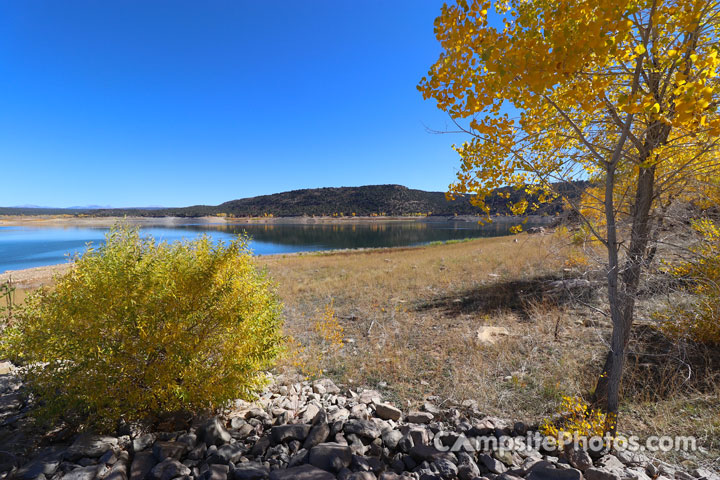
405,321
410,318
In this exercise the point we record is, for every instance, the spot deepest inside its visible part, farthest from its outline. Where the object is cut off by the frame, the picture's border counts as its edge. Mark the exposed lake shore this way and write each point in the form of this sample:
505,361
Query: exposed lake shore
83,221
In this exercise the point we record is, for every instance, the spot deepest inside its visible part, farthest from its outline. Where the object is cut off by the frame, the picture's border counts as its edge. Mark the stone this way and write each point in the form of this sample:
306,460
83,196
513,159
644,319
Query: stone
260,446
250,471
610,462
142,464
285,433
468,471
82,473
8,461
304,472
330,456
548,473
387,412
318,434
142,442
213,432
217,472
705,473
163,450
445,468
45,465
492,464
169,469
361,476
579,458
594,473
231,452
362,428
91,446
419,417
391,438
327,385
489,335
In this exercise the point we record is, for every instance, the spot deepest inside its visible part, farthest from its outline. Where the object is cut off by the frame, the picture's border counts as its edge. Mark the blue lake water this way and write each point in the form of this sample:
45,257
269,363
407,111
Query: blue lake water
26,247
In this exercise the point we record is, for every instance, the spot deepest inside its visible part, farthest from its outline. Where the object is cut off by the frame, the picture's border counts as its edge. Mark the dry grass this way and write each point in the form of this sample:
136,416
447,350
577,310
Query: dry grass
410,318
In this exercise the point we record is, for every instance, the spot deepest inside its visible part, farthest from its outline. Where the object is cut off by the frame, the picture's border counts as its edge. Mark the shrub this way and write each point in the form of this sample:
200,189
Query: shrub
578,419
138,329
698,319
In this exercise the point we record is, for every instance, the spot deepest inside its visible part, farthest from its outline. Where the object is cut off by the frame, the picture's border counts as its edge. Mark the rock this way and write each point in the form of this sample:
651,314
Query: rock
260,446
579,458
327,385
231,452
188,439
213,432
361,476
387,412
164,450
610,462
285,433
488,335
631,459
218,472
169,469
391,438
595,473
305,472
91,446
142,442
318,434
82,473
445,468
250,471
548,473
705,473
8,461
142,464
45,465
636,473
362,428
419,417
330,456
468,471
492,464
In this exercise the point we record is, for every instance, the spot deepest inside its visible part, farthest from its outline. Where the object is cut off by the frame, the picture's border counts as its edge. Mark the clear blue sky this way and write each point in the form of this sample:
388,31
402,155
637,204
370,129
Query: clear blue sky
174,102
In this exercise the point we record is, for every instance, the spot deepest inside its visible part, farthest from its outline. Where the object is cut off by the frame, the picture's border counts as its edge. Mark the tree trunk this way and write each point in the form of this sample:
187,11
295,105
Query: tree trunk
622,297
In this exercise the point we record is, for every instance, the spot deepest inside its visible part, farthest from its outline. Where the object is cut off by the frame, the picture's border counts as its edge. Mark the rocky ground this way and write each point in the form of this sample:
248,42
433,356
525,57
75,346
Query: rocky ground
305,430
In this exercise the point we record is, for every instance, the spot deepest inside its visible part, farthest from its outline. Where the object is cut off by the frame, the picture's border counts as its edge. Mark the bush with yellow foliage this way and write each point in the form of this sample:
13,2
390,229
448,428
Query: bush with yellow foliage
138,329
700,319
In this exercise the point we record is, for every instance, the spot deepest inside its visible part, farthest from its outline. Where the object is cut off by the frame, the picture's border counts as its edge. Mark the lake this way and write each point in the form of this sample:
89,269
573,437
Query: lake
29,246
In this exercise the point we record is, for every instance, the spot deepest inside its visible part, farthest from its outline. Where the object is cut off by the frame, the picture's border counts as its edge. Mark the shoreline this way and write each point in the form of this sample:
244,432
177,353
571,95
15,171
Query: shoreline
35,277
82,221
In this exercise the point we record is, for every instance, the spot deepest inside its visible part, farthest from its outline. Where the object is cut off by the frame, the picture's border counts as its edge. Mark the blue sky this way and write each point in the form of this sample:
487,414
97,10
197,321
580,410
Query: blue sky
173,102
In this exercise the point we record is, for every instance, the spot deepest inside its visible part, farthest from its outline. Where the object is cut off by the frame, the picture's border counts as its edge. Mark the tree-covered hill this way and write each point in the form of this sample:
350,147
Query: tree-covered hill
389,200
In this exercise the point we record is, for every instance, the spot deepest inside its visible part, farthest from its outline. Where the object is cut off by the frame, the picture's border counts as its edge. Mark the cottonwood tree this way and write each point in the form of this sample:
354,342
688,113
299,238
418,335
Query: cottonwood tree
621,92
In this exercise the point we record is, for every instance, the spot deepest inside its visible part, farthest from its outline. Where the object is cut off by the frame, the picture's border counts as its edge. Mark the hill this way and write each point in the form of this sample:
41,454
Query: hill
390,200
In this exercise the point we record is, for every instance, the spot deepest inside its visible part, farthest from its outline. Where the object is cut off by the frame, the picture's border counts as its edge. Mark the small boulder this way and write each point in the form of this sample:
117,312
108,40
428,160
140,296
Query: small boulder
330,456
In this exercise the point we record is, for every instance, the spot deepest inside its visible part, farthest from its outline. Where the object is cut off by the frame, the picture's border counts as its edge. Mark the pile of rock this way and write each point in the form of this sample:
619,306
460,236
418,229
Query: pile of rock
312,431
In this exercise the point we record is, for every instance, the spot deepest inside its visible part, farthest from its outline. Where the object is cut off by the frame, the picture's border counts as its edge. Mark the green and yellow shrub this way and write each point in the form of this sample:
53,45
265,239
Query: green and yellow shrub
699,320
138,329
578,420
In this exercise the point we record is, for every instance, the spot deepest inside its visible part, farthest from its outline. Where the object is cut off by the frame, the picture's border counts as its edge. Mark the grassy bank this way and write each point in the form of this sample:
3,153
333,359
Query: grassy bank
409,320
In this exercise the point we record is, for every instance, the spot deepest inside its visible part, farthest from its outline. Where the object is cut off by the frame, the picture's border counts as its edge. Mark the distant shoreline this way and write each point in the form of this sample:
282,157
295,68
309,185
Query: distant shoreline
83,221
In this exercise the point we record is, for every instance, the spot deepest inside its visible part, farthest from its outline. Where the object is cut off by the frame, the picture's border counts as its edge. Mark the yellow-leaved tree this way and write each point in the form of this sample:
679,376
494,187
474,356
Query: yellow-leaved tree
623,93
